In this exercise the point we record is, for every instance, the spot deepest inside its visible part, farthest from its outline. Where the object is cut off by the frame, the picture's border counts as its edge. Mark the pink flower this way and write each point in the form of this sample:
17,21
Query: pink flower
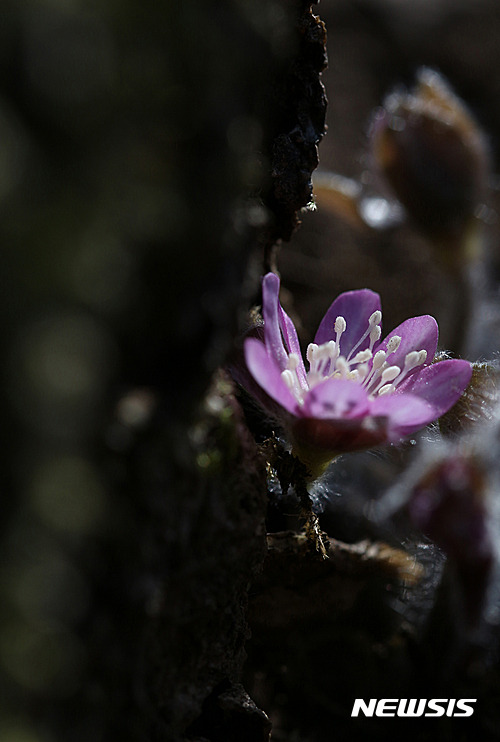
359,391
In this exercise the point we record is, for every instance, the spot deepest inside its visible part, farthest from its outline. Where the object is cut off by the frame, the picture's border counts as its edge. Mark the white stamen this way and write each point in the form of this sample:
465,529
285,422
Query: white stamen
379,359
313,378
375,334
325,353
311,351
288,378
387,389
342,366
291,379
340,328
362,356
388,374
332,349
377,367
412,359
393,344
340,325
362,370
373,331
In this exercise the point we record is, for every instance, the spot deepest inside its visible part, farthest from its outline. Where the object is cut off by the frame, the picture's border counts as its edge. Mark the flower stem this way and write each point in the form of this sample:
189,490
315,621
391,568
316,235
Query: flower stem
312,528
292,471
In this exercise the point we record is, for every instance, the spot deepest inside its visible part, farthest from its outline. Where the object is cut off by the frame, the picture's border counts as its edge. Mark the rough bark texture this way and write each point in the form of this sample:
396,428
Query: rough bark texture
298,108
147,151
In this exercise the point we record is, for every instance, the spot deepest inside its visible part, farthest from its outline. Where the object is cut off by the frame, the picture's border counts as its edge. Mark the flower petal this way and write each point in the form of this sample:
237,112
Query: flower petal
267,374
416,333
336,399
440,384
271,314
292,344
356,307
406,413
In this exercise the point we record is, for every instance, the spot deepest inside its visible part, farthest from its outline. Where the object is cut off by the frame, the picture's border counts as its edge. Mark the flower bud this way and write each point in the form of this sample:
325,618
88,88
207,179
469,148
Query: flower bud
433,155
449,505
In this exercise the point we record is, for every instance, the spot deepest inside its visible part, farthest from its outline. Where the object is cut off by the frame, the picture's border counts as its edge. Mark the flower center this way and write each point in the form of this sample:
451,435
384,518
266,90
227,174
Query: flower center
373,371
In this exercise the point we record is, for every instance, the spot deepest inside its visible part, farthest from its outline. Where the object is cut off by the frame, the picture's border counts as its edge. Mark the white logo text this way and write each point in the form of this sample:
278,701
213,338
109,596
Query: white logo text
412,707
